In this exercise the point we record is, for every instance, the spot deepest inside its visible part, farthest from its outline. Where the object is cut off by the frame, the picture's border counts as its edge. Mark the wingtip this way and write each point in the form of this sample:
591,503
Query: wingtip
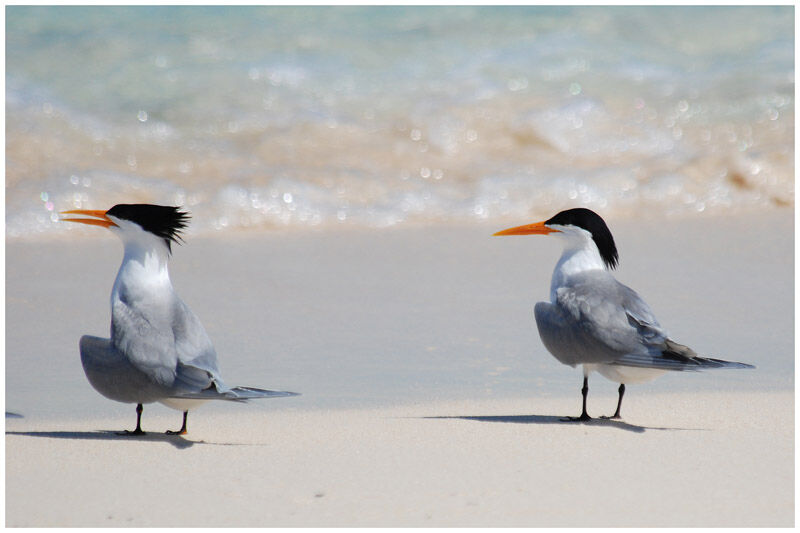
721,363
254,393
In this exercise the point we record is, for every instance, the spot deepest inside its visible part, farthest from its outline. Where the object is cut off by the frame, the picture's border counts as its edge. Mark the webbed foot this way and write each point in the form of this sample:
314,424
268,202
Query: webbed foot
181,431
129,433
583,418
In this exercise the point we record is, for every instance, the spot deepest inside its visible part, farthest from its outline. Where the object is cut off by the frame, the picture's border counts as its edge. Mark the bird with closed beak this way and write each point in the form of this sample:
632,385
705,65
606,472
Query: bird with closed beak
594,320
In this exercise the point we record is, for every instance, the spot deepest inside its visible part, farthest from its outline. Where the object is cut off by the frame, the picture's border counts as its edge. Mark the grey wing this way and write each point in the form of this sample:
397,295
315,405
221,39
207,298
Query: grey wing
169,345
113,375
596,319
658,350
198,377
196,357
135,332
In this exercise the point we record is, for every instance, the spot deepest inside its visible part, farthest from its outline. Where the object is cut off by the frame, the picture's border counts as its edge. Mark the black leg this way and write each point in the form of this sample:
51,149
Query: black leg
619,403
181,431
138,430
584,415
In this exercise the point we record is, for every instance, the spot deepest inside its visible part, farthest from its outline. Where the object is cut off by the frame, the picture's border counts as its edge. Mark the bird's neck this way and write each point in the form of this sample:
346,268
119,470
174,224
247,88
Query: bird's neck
143,272
575,260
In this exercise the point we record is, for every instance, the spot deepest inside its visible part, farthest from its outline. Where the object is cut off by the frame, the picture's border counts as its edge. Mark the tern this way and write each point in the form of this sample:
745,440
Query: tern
158,350
594,320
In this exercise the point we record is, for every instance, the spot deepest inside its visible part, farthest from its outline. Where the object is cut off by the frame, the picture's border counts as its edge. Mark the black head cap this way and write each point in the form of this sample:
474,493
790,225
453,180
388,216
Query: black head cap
164,221
591,222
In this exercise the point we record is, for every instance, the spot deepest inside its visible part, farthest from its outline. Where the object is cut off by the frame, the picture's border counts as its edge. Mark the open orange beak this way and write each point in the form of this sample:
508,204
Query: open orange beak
537,228
100,217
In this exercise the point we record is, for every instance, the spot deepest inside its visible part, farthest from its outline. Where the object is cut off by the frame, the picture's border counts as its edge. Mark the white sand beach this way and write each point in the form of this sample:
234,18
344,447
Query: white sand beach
427,396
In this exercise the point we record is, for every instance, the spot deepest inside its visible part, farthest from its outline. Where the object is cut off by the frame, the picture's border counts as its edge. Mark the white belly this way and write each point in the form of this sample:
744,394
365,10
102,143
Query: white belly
623,374
181,404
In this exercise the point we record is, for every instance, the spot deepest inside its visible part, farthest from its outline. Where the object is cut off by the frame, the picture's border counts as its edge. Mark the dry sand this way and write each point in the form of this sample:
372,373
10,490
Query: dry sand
428,398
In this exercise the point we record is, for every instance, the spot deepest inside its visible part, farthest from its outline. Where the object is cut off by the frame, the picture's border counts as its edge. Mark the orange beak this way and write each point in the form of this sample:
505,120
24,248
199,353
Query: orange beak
100,217
537,228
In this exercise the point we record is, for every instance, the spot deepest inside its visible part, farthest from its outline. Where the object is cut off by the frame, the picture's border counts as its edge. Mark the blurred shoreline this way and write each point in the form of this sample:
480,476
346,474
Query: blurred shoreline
198,230
378,117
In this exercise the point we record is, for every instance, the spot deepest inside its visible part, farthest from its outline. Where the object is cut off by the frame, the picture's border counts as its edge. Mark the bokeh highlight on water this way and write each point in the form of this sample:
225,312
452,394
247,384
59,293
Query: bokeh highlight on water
264,117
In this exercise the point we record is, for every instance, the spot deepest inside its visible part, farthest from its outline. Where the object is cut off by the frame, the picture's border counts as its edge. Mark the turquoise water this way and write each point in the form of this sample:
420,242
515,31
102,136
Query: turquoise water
263,117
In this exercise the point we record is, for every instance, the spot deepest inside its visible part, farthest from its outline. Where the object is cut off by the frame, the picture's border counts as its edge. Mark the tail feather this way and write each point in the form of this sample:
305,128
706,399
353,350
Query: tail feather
248,393
687,359
236,394
721,363
672,361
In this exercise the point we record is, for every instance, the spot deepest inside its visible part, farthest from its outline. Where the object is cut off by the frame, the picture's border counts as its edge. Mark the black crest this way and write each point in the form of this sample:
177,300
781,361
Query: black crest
164,221
591,222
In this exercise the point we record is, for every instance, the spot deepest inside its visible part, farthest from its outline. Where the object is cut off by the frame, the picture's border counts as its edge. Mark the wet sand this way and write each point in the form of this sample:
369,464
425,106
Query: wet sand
427,397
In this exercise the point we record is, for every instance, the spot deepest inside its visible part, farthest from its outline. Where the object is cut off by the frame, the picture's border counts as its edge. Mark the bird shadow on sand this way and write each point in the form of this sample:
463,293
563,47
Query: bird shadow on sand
558,420
175,440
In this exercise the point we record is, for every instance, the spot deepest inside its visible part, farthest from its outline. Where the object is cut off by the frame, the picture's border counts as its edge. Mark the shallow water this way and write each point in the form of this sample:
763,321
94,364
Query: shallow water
266,117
